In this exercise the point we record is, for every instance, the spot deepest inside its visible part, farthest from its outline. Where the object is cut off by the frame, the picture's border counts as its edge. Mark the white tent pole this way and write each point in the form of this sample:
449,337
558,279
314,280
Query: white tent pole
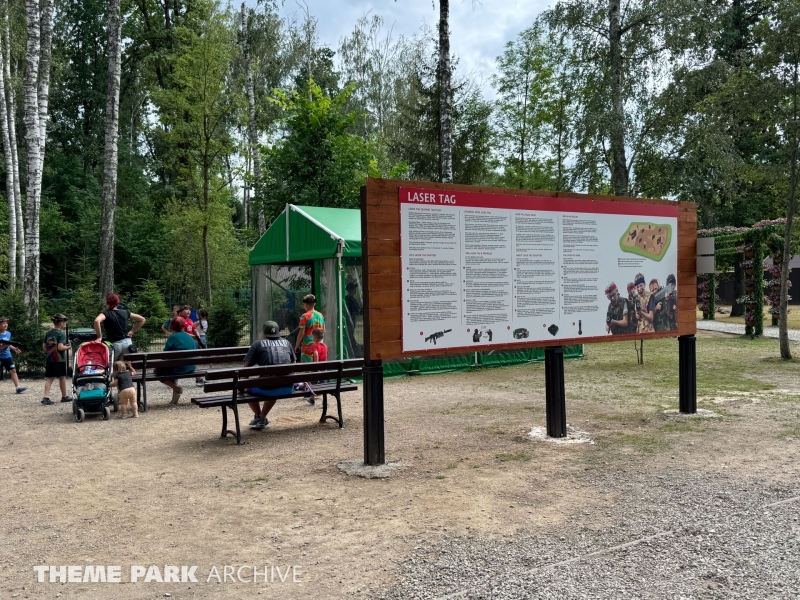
340,323
286,211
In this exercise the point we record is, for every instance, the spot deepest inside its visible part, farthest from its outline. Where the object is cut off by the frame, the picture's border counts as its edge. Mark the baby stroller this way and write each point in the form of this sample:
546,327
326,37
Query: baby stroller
91,380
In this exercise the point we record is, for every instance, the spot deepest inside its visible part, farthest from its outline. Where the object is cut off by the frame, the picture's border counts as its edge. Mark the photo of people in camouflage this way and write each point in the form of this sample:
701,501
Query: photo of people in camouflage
650,309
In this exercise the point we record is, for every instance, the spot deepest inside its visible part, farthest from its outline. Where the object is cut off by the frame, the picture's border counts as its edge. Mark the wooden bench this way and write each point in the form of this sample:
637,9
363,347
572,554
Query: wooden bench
331,377
145,364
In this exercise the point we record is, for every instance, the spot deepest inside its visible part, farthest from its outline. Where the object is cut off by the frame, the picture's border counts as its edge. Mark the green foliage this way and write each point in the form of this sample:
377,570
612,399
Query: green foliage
12,305
149,303
318,162
535,111
84,305
416,138
224,323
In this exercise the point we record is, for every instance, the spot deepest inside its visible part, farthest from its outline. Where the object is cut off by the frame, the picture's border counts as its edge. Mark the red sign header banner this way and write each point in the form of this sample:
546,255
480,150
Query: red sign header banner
423,196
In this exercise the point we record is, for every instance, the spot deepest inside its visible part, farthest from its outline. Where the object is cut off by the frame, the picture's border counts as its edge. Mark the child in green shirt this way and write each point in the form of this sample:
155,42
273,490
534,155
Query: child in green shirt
55,346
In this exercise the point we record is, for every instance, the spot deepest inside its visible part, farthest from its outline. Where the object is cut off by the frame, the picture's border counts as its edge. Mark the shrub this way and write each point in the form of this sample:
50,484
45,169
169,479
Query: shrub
84,305
149,302
223,323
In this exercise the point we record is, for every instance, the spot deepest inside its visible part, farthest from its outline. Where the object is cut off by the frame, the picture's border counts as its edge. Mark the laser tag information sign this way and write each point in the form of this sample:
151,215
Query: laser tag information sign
488,269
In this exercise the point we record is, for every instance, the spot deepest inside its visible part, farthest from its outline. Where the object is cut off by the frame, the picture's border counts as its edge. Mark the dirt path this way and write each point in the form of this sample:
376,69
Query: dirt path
165,490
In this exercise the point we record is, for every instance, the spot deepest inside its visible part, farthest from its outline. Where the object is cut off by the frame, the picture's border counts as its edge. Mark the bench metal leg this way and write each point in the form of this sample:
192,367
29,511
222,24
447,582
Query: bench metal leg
324,408
339,409
325,416
225,431
236,419
144,392
139,396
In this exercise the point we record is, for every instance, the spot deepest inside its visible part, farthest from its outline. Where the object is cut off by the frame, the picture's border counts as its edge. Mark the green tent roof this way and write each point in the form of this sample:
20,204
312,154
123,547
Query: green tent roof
313,233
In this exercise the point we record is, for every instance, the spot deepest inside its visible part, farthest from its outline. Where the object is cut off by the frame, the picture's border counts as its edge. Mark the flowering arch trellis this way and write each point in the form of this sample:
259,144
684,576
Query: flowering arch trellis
749,246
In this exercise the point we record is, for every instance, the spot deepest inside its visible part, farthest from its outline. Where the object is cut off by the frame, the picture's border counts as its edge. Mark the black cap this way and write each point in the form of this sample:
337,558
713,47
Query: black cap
271,330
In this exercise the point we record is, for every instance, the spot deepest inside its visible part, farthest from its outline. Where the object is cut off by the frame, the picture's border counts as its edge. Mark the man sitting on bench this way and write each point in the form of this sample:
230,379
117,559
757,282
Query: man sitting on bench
271,350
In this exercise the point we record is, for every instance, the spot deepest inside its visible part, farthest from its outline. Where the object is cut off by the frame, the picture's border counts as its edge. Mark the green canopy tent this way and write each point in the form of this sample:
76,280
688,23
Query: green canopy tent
318,250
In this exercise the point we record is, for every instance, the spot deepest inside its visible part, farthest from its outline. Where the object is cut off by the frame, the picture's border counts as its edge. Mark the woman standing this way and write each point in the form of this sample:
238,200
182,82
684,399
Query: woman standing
115,320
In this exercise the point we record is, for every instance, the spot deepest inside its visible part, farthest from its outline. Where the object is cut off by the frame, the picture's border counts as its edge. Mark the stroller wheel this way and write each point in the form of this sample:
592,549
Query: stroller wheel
80,415
106,413
116,403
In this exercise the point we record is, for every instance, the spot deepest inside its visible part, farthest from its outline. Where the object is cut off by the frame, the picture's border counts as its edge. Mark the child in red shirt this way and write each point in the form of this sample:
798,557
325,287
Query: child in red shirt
319,353
318,350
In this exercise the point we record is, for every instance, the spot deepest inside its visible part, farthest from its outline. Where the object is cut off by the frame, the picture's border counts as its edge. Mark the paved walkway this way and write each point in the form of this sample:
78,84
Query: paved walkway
770,332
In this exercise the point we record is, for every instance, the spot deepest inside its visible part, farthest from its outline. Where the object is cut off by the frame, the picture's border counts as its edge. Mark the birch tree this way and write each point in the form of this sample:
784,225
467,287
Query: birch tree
252,130
12,138
9,163
39,25
445,76
620,54
110,157
32,144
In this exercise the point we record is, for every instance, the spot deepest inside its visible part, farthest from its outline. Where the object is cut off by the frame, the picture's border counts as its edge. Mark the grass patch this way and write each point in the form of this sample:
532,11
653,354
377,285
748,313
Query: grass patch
460,407
254,482
452,465
791,432
683,425
646,443
514,456
440,477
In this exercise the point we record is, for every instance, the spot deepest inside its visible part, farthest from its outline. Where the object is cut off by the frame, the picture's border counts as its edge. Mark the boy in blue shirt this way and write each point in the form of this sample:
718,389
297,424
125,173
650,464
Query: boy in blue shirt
5,354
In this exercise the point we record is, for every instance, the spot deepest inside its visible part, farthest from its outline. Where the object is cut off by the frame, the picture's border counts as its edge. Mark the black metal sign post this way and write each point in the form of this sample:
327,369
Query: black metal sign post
374,451
687,374
555,400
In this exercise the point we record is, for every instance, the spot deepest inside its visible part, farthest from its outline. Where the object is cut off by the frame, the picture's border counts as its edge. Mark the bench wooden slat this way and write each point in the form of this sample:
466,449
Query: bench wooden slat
283,380
139,356
351,363
226,399
182,362
237,380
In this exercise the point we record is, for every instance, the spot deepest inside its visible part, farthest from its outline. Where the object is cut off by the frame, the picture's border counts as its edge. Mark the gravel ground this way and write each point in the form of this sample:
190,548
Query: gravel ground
770,332
676,536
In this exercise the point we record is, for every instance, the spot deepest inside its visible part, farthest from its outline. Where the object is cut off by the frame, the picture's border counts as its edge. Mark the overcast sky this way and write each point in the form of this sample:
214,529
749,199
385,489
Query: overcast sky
478,33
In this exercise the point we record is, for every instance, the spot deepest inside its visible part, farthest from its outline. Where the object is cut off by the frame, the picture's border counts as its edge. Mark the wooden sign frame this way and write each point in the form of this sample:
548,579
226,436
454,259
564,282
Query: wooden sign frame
381,266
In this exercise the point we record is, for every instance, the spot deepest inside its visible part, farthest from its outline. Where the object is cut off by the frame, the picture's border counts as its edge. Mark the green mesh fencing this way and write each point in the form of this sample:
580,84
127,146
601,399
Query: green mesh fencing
461,362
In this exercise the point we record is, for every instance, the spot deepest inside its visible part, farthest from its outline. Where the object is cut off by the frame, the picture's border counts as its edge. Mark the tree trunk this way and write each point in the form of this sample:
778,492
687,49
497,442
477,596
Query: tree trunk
12,212
445,130
206,259
46,45
110,157
791,206
252,131
34,171
783,326
12,138
619,163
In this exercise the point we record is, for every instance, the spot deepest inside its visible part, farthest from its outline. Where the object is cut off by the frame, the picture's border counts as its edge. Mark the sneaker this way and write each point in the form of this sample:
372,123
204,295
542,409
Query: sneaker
310,400
262,422
67,399
47,401
176,394
254,422
21,389
200,381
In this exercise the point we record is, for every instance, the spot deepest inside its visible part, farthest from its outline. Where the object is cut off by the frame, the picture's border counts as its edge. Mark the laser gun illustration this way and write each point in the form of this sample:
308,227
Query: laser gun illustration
435,336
